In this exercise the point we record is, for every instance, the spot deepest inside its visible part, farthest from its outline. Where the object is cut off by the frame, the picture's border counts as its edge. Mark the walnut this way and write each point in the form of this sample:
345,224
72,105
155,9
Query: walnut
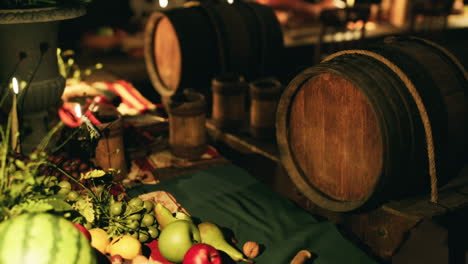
251,249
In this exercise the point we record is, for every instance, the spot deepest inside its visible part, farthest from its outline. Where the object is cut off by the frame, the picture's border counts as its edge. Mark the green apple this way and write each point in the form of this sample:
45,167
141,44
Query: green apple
177,238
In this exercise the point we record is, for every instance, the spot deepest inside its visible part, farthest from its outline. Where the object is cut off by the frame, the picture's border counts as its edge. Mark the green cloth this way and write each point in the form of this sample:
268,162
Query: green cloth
231,198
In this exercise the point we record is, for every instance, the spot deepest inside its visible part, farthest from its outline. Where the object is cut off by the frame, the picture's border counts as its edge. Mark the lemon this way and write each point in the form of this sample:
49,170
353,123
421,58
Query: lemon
126,246
99,239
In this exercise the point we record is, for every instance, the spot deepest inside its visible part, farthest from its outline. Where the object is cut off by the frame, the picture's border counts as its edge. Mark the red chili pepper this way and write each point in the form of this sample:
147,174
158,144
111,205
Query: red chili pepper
68,116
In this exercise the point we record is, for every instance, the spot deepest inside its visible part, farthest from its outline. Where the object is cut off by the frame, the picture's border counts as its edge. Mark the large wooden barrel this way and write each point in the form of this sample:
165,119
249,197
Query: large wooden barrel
187,47
365,126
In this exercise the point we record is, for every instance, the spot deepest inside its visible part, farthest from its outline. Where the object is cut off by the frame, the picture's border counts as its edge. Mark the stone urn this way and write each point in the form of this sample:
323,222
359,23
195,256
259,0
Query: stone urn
28,38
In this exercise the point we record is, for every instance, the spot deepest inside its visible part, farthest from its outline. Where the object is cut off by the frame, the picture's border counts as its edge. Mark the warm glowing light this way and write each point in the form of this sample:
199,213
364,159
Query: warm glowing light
348,36
359,24
163,3
339,36
282,16
350,3
370,25
15,85
78,110
230,1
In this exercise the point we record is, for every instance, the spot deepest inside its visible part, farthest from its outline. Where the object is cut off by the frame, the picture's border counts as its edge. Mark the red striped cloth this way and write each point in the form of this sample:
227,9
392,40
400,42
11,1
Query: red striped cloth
131,97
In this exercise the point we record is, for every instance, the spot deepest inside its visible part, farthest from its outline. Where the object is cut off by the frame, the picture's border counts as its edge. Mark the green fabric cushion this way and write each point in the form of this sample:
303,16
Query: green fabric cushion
231,198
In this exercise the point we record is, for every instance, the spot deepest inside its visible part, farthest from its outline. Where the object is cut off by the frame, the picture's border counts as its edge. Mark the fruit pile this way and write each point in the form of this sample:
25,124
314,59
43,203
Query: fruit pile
178,240
119,227
133,226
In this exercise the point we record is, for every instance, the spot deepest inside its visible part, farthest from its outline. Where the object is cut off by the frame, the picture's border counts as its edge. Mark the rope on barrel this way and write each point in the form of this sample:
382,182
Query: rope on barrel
420,105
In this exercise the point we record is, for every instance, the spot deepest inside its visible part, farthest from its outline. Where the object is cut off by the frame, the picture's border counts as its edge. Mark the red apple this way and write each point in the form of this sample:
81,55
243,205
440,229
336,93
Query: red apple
83,230
116,259
202,254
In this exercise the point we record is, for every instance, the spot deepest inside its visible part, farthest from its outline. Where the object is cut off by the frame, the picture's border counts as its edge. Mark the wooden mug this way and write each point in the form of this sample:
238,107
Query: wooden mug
228,109
264,97
187,132
110,151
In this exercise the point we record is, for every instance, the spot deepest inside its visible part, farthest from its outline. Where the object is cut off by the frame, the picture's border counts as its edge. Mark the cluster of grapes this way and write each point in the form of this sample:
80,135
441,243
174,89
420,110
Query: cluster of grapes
135,217
65,188
71,165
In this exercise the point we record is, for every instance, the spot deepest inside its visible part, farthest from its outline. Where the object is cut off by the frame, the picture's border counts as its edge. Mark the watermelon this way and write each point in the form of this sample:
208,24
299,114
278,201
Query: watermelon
42,238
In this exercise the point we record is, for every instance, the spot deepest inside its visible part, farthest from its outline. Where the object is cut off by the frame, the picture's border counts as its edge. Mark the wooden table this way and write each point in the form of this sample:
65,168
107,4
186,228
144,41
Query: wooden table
385,230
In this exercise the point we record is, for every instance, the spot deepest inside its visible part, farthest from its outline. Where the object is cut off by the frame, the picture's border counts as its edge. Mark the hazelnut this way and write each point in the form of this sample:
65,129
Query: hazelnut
251,249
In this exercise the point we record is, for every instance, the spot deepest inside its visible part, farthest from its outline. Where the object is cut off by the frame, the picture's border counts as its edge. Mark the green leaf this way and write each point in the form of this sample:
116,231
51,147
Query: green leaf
86,208
94,174
88,214
16,189
133,210
18,175
31,206
59,205
20,164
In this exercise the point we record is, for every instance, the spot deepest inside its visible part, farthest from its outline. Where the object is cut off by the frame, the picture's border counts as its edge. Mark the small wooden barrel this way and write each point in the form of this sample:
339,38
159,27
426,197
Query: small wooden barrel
264,97
187,133
369,125
188,47
228,108
110,150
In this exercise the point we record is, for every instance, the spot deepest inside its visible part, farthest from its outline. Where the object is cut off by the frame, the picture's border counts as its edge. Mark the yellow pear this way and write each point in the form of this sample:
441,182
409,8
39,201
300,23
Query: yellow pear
165,217
211,234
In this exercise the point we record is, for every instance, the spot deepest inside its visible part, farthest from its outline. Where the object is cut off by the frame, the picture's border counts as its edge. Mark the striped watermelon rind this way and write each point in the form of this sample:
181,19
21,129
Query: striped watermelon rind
42,238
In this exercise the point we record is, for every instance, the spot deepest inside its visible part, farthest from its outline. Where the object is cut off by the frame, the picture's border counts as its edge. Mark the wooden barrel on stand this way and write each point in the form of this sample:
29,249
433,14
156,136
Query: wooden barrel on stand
188,47
380,123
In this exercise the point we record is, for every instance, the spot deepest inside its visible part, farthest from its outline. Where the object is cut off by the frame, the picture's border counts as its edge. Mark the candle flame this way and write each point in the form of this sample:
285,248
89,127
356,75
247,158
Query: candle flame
163,3
230,1
78,110
15,85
